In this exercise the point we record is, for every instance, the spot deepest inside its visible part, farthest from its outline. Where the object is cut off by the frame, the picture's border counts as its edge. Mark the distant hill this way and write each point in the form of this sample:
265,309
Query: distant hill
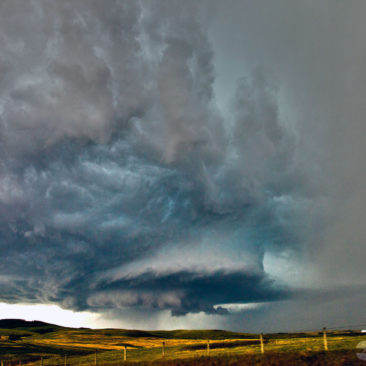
42,327
20,323
213,334
34,326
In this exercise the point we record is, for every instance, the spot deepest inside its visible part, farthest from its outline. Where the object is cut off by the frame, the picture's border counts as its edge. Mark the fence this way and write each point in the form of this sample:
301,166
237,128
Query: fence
260,345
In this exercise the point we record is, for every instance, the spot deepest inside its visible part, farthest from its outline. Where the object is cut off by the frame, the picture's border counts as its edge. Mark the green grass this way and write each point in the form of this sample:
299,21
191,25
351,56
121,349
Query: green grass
184,347
212,334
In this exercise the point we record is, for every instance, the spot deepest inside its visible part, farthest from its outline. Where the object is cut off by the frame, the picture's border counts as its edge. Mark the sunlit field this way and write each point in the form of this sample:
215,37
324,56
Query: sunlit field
44,344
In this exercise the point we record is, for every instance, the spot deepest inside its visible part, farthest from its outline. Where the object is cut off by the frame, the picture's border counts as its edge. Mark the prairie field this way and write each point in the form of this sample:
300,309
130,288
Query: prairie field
36,343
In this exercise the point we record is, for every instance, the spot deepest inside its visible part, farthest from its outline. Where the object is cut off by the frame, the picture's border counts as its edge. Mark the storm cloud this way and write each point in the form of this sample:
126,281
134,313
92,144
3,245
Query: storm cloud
125,185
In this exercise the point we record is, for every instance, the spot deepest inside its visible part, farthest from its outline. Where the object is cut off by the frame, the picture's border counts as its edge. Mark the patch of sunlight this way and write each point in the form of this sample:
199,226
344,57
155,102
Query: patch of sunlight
48,313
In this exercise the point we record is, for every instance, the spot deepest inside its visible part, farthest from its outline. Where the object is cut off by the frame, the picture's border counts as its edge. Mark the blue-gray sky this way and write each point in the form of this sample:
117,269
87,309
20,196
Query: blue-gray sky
184,163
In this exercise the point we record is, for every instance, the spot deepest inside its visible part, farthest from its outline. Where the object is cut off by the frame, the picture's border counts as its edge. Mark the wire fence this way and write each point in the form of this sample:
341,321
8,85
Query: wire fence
320,340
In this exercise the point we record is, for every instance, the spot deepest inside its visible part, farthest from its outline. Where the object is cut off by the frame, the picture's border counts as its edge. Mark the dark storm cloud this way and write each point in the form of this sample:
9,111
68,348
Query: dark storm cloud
184,292
113,156
122,184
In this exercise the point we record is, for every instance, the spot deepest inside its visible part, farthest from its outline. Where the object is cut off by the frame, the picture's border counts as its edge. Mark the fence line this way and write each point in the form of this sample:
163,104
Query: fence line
260,341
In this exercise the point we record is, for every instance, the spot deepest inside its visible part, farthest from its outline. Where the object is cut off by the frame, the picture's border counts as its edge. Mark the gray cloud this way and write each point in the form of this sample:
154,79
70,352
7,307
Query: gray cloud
123,185
315,50
184,292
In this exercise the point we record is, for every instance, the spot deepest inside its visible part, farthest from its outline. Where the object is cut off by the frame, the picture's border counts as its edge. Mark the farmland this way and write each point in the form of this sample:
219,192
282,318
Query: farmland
36,343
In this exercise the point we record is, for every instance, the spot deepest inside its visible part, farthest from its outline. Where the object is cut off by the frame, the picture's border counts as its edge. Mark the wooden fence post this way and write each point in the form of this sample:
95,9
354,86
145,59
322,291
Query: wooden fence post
262,344
65,359
163,349
41,361
208,347
95,358
124,353
325,339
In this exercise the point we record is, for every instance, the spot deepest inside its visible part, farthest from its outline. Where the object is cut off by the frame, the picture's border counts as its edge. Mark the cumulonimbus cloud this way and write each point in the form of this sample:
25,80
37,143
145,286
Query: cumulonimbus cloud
121,182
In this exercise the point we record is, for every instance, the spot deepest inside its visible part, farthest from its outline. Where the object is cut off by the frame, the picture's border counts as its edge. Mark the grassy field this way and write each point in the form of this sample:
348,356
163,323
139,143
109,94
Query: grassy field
44,344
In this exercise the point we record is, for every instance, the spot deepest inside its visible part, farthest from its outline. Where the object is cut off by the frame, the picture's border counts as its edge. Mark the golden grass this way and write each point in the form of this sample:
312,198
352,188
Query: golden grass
80,345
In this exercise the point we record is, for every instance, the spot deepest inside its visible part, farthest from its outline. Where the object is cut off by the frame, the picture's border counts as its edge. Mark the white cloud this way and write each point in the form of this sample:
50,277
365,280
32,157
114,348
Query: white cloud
48,313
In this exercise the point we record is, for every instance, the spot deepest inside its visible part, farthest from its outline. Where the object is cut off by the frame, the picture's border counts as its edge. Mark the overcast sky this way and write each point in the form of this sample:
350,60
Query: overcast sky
184,164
